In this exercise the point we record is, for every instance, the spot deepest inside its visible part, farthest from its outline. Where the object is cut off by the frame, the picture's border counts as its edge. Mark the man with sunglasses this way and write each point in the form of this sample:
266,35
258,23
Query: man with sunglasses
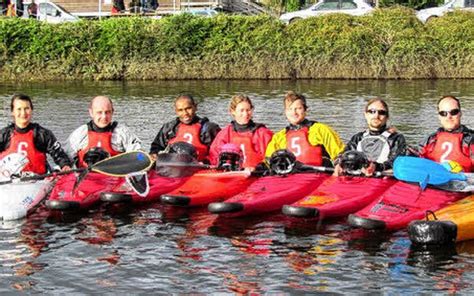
452,141
380,143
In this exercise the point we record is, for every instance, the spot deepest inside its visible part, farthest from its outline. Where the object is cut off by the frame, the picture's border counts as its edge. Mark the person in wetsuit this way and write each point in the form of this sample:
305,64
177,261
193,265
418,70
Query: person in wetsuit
30,139
380,143
312,142
101,137
252,138
452,141
186,127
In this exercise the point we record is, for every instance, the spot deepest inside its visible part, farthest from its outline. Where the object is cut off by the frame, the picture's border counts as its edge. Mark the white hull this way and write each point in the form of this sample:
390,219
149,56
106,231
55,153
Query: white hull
18,199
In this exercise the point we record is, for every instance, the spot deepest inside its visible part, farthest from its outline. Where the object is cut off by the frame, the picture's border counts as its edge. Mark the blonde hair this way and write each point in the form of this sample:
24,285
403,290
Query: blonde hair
237,99
292,97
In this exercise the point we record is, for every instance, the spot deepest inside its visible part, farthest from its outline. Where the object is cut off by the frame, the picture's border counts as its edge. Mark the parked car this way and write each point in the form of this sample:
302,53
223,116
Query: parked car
426,14
51,12
200,12
322,7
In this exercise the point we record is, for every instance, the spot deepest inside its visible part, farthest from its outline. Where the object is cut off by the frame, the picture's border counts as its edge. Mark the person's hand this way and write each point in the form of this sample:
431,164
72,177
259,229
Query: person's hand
338,171
369,171
153,156
65,168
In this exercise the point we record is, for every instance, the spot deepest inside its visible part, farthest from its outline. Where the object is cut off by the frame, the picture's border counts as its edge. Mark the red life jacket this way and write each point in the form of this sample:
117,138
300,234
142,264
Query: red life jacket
297,142
449,146
190,133
244,141
95,139
24,144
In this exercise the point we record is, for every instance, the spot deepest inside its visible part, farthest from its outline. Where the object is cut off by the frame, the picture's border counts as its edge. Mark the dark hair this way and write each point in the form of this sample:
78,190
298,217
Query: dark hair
371,101
20,97
185,97
292,97
449,97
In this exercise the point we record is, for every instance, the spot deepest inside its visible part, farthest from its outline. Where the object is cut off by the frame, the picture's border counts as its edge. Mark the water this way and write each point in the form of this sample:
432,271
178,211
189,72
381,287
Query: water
151,248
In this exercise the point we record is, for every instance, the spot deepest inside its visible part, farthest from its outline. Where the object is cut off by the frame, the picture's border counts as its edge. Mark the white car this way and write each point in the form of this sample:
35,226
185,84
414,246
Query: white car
51,12
425,14
322,7
200,12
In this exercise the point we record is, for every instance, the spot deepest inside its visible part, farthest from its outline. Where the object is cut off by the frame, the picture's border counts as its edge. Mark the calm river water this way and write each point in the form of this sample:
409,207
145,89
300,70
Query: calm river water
157,249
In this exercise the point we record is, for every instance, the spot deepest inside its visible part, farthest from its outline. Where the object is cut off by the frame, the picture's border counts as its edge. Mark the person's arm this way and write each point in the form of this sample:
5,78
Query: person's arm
161,141
221,138
277,142
321,134
126,140
54,148
76,141
209,132
261,138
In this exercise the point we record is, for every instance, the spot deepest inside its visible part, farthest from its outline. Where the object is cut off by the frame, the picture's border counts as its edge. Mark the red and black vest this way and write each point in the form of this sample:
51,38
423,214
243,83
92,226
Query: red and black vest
297,142
97,139
23,143
190,133
449,146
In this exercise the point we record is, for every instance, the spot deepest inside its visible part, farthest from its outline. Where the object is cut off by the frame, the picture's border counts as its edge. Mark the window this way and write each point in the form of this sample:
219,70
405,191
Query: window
329,5
348,4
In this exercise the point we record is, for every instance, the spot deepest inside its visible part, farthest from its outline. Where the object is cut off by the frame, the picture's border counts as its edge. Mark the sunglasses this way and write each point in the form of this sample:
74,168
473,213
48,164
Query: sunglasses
380,112
453,112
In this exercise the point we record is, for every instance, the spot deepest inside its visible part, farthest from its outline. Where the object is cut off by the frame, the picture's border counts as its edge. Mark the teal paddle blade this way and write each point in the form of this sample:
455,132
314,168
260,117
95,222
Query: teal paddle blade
423,171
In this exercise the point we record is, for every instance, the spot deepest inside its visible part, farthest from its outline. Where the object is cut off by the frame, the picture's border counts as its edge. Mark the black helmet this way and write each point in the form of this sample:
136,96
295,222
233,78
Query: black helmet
230,157
95,155
353,161
182,148
282,162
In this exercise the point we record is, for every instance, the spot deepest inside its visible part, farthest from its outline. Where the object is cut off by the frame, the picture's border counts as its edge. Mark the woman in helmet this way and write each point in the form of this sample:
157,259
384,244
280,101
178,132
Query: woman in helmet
252,138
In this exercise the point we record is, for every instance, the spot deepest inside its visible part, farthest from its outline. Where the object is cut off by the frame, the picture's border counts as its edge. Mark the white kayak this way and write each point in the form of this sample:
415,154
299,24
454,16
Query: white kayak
20,198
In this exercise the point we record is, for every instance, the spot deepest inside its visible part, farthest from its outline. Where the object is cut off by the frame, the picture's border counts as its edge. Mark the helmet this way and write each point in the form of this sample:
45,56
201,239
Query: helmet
353,161
95,155
282,162
182,148
230,157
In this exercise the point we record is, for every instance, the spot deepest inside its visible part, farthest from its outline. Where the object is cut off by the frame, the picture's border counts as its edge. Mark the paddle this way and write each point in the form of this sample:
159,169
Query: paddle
423,171
322,169
117,166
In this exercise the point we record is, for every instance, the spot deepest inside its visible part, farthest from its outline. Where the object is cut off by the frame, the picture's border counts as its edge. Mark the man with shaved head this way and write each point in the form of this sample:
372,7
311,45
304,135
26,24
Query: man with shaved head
453,141
101,137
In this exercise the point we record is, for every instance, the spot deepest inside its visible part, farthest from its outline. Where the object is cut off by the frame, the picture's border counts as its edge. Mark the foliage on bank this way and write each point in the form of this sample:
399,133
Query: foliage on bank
387,44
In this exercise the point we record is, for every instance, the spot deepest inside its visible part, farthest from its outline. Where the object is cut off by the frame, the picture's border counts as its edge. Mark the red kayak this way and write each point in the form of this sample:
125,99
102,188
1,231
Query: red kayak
269,194
158,185
339,196
208,186
64,197
401,204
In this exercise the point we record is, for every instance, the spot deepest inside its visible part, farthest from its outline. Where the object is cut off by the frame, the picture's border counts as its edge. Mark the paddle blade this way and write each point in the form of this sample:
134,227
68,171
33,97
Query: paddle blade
177,165
139,183
423,171
123,164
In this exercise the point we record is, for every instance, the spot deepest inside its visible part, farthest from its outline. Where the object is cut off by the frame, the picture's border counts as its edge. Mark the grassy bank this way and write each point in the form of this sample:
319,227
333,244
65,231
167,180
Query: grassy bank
387,44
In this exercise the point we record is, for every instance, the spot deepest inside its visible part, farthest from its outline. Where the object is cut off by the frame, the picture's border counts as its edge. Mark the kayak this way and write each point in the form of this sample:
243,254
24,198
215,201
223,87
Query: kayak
269,194
453,223
65,197
21,198
158,185
401,204
208,186
339,196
